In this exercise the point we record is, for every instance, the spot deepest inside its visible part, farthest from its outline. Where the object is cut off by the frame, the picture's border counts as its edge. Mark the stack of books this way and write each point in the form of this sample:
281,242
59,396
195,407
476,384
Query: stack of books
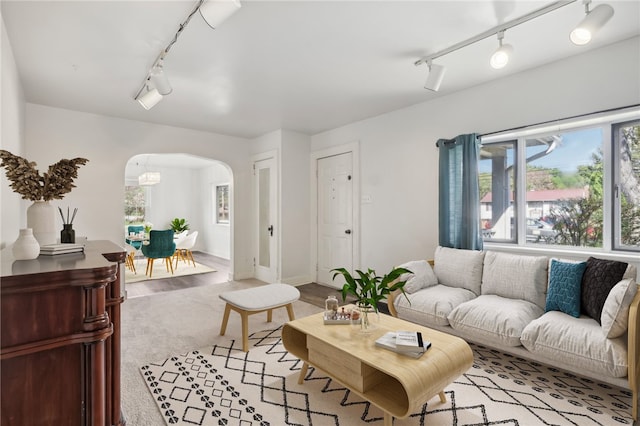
54,249
409,343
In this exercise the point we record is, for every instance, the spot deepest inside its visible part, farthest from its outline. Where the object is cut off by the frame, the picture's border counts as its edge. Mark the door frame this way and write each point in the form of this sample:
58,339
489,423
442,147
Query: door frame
354,149
254,215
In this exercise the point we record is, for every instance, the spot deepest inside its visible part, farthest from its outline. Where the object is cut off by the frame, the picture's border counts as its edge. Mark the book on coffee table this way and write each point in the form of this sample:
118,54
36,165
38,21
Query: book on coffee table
410,341
388,341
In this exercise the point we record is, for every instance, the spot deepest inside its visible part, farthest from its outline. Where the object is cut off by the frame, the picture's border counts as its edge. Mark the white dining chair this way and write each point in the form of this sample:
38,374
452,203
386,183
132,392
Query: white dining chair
183,248
179,236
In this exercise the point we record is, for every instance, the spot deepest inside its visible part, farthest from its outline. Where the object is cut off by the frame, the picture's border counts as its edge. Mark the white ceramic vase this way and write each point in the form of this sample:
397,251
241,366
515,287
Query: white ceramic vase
26,246
41,217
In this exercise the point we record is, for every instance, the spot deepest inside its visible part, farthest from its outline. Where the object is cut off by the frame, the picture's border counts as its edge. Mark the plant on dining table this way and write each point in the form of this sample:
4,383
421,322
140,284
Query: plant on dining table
179,225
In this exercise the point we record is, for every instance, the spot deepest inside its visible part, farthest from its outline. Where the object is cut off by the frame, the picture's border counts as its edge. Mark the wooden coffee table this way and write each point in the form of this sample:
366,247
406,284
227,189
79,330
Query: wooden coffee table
397,384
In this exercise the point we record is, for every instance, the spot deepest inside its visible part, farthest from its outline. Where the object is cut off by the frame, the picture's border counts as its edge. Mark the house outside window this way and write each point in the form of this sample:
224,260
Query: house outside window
577,185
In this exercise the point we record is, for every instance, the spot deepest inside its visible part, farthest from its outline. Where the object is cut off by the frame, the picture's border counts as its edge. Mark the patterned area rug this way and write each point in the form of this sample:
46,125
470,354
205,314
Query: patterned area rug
225,386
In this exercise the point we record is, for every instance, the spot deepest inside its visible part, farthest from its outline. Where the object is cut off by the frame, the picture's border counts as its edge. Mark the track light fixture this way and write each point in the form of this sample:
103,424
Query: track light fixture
591,23
436,74
156,84
159,79
148,97
500,57
594,20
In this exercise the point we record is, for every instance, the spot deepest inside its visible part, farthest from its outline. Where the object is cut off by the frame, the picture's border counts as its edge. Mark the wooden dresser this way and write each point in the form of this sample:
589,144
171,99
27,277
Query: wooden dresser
60,341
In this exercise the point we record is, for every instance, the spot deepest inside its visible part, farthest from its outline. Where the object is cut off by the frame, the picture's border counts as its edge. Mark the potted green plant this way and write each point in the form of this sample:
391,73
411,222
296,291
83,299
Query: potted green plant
369,288
179,225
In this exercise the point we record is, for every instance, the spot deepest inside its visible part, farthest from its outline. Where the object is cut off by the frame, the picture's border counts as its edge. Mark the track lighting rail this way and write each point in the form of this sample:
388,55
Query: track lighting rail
156,84
495,30
164,51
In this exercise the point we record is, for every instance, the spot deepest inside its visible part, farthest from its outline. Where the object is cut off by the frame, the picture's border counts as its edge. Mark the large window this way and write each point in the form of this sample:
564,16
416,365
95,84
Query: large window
626,188
134,204
575,185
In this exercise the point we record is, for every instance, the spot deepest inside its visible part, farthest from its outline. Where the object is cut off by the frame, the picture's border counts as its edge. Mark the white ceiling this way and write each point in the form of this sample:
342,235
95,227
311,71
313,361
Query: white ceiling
307,66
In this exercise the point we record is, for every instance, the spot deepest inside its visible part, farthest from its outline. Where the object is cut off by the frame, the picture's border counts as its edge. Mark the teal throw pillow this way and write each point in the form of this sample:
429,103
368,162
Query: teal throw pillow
564,287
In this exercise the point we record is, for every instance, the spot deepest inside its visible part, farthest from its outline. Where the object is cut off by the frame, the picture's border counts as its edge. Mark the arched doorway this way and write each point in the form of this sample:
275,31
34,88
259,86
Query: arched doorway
162,187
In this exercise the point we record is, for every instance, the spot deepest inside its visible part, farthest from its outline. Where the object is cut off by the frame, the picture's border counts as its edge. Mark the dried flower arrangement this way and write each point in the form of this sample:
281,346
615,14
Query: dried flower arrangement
27,181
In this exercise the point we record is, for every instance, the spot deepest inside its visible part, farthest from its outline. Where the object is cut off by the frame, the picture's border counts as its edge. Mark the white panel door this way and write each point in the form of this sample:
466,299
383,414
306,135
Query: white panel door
265,259
335,216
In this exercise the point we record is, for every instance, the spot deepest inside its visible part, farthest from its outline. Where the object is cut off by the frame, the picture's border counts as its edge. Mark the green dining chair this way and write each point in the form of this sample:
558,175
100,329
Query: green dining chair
161,246
136,229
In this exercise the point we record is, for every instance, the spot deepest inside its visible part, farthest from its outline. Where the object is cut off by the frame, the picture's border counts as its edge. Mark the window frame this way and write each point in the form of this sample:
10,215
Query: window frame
219,191
608,122
615,185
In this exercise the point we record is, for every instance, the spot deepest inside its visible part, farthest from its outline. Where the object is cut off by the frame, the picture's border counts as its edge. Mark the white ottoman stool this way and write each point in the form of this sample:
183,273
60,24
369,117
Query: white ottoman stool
255,300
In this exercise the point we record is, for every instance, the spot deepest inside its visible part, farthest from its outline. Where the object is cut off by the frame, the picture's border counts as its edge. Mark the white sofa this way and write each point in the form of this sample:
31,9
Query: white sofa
499,299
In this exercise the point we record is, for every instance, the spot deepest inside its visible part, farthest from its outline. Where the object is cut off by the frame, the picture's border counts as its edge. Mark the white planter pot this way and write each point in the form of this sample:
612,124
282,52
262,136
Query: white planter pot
41,217
26,246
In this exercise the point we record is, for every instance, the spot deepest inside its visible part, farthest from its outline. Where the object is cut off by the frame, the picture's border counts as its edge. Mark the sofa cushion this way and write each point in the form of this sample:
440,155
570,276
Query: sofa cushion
564,287
459,268
515,276
495,320
422,276
615,313
631,272
556,336
432,305
599,278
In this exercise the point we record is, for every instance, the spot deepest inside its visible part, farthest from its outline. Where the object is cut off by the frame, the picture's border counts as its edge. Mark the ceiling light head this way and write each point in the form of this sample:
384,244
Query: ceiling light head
148,97
159,79
215,12
500,57
591,23
435,77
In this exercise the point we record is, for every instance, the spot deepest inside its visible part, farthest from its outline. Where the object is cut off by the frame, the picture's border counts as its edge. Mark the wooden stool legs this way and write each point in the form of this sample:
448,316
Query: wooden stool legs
244,317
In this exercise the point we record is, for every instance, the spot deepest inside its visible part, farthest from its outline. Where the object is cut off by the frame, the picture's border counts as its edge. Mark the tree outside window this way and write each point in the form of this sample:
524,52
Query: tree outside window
134,204
627,185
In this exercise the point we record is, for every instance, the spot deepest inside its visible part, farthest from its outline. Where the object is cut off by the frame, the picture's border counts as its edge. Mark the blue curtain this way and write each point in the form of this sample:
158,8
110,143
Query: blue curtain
459,194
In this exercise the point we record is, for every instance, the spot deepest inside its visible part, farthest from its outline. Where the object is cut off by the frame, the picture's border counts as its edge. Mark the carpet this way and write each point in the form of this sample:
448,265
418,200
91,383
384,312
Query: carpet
224,386
160,271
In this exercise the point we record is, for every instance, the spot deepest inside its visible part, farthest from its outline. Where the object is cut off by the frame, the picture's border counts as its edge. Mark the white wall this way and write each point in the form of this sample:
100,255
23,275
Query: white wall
108,143
295,214
399,160
12,124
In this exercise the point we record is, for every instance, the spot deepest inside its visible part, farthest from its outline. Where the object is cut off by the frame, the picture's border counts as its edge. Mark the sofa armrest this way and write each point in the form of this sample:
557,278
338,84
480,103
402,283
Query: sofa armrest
392,296
634,352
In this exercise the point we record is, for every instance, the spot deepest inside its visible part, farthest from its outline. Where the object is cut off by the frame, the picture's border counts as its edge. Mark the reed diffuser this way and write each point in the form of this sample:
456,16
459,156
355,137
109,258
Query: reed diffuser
68,234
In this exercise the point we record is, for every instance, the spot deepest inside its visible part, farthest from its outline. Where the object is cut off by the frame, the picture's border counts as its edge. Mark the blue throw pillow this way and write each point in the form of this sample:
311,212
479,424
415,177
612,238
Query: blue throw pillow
564,287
